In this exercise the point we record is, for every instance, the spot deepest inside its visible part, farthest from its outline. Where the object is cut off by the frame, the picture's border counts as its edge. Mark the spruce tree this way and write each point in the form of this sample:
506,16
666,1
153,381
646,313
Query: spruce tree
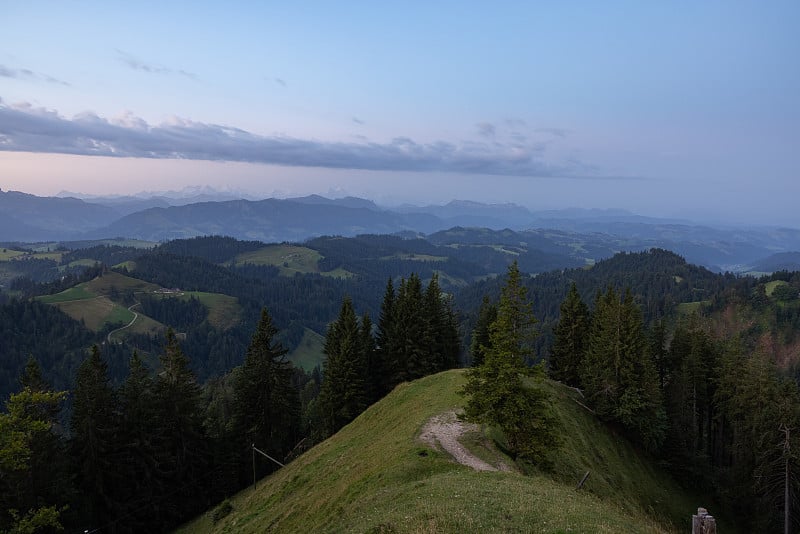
440,342
690,375
410,357
182,452
343,394
384,369
266,405
504,391
368,348
619,377
34,476
139,437
569,345
480,342
94,429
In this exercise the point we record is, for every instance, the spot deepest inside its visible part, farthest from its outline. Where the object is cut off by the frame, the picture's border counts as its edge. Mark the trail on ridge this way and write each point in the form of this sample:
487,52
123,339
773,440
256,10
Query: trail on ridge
446,429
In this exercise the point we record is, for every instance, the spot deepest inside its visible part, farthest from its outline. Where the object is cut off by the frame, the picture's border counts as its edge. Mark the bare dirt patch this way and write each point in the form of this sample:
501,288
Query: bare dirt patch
445,430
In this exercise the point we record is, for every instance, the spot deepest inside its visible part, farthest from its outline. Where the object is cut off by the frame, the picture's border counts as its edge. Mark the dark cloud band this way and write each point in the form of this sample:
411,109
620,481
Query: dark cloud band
29,129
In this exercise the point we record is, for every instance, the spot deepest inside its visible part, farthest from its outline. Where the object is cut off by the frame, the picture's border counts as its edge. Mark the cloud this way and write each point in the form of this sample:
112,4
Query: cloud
136,64
24,128
486,129
27,74
557,132
280,81
358,121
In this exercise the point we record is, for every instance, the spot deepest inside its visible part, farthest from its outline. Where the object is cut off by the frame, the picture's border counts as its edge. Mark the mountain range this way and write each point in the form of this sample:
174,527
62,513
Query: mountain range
164,216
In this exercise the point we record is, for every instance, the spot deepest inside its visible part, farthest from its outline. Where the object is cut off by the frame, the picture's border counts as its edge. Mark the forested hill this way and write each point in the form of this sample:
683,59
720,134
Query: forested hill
687,387
659,280
302,285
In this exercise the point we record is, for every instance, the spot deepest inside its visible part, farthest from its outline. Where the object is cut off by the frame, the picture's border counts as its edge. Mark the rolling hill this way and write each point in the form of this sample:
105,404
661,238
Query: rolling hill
376,475
111,299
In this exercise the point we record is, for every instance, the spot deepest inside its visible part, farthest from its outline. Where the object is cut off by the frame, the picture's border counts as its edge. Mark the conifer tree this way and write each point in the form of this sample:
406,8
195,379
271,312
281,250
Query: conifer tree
569,345
34,480
440,335
266,404
498,392
689,391
480,342
410,358
618,375
182,454
94,425
384,369
343,394
137,458
368,347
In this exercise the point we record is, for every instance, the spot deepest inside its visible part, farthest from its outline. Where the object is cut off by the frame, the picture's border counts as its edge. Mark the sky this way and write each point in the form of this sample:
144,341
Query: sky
680,109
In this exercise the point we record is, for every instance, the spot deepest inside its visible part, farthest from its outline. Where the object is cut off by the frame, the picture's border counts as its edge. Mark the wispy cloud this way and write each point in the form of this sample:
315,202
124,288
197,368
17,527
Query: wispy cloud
31,129
27,74
486,129
137,64
280,81
557,132
357,120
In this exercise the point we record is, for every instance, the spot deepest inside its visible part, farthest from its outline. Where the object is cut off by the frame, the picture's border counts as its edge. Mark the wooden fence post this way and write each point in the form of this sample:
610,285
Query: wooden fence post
702,523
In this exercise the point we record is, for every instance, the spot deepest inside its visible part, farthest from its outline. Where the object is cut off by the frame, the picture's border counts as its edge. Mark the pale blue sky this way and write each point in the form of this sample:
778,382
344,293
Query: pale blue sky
665,108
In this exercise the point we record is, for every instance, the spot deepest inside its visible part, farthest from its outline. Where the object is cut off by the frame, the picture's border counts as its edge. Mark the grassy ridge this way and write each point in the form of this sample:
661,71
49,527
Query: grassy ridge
94,303
375,476
96,312
289,259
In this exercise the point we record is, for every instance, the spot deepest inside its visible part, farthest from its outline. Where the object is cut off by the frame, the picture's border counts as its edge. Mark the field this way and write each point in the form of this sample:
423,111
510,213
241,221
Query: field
112,282
8,254
289,259
79,292
223,310
688,308
308,353
94,302
769,288
96,312
376,476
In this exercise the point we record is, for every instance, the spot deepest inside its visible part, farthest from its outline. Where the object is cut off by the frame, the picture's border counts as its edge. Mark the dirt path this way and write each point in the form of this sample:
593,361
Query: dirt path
446,429
135,316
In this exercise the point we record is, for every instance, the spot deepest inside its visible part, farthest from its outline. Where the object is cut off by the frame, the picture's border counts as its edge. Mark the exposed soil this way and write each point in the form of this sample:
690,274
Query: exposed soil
444,431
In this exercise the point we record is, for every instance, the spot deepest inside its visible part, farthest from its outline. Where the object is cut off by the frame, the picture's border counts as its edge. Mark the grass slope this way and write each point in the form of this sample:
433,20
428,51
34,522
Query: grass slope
375,476
224,311
93,302
96,312
289,259
308,353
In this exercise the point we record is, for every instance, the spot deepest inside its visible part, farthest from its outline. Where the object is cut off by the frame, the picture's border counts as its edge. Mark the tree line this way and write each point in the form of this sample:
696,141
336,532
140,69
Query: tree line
159,447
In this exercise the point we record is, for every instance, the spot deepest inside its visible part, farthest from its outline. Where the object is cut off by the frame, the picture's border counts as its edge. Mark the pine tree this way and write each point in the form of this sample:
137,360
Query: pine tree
440,342
182,451
94,425
569,346
690,377
480,334
368,348
384,369
618,375
34,481
343,394
500,392
410,357
266,405
137,458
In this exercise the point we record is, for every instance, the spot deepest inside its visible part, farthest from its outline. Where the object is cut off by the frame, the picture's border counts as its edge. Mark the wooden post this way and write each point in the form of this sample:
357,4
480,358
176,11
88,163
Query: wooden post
583,481
702,523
